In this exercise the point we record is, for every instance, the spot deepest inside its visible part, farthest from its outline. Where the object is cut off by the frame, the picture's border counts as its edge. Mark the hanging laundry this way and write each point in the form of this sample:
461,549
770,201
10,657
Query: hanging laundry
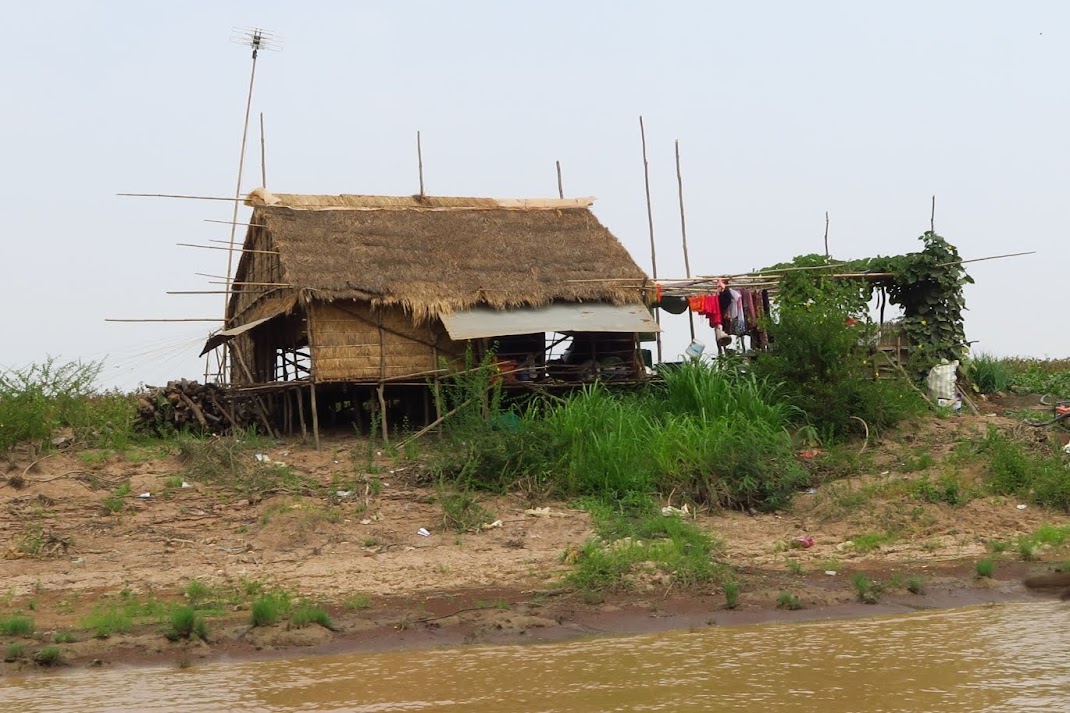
696,302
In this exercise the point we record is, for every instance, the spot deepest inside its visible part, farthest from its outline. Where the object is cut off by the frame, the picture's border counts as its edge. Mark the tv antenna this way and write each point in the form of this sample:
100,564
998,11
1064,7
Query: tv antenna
258,39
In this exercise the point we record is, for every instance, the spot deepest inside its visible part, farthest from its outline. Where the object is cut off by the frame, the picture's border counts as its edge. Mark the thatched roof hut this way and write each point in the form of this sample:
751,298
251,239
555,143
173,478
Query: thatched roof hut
363,289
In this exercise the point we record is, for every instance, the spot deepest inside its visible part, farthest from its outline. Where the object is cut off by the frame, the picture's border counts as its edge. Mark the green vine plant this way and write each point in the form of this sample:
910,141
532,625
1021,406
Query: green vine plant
928,285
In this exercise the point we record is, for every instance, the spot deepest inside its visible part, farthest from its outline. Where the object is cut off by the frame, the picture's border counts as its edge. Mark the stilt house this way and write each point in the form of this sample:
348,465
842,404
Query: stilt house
365,290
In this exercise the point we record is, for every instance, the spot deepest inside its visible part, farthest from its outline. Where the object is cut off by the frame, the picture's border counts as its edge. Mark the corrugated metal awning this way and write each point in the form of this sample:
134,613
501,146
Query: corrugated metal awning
591,317
225,335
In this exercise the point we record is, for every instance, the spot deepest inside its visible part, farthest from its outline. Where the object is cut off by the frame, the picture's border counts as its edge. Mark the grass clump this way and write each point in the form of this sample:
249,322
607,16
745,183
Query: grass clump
988,373
106,621
869,541
915,585
358,601
307,613
270,608
15,652
229,462
948,489
48,656
731,594
787,600
16,625
867,590
63,637
185,624
1041,478
986,568
633,538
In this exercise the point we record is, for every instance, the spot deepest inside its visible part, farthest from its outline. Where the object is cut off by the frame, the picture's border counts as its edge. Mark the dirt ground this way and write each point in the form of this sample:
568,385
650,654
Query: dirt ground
68,550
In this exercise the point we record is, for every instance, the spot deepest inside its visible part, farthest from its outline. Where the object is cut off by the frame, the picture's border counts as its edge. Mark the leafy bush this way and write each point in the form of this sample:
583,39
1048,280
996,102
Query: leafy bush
105,621
268,608
36,400
819,362
308,613
186,623
47,656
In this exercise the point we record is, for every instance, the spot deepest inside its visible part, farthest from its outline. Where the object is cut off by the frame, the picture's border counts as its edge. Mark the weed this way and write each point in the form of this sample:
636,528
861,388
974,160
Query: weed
462,511
998,547
15,652
228,462
48,656
915,585
307,613
104,621
986,567
867,591
794,566
787,600
1012,470
63,637
113,504
731,594
197,592
1028,550
358,601
869,541
948,488
921,461
16,625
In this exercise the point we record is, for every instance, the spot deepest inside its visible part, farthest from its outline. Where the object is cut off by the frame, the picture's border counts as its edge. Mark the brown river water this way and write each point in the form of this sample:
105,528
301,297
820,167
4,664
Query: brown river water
1012,657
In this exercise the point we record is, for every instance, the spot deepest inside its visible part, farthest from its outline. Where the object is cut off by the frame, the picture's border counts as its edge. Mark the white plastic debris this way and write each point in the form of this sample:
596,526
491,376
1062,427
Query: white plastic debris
1066,448
186,485
261,458
145,496
885,472
422,532
811,491
830,572
538,512
1022,507
366,521
669,510
490,525
343,493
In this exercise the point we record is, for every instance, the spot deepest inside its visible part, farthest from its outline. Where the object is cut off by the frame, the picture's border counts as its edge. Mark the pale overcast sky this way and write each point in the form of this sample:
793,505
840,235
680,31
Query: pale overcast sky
783,110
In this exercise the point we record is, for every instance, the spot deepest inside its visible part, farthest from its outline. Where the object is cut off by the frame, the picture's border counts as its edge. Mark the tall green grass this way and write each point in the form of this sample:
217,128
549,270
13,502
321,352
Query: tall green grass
1043,478
989,374
713,436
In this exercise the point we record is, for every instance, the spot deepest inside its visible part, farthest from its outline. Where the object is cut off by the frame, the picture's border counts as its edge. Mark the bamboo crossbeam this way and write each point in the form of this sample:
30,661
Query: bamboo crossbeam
180,319
219,247
253,284
231,222
173,195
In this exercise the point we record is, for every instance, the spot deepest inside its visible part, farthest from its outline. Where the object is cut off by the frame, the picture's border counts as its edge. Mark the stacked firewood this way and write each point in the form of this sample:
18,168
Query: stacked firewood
189,405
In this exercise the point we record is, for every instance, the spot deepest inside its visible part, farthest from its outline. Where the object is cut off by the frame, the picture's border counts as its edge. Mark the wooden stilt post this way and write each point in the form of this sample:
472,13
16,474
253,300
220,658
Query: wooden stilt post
315,413
381,388
380,392
301,413
560,187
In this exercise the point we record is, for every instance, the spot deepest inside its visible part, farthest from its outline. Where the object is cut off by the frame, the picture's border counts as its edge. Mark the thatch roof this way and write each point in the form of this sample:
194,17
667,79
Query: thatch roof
435,255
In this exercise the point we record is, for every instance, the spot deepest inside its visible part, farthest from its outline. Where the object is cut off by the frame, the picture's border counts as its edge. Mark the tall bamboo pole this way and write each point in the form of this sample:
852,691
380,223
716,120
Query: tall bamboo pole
560,187
420,161
650,225
683,232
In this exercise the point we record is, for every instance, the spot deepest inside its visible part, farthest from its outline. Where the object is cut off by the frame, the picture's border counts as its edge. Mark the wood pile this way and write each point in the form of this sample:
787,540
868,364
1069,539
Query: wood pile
189,405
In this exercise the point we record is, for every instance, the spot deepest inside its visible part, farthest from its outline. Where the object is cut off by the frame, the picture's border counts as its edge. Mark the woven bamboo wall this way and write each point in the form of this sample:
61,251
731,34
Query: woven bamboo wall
345,339
256,267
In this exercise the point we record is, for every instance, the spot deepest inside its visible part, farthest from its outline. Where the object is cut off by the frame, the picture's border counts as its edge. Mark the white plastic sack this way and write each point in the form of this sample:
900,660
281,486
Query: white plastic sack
941,381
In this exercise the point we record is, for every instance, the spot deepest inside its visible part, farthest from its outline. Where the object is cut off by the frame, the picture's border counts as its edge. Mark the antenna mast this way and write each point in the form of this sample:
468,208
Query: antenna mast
258,39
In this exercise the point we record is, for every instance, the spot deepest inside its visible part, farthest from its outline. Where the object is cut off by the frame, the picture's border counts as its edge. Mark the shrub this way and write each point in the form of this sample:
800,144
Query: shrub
15,652
986,567
36,400
867,591
462,511
819,361
63,637
915,585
